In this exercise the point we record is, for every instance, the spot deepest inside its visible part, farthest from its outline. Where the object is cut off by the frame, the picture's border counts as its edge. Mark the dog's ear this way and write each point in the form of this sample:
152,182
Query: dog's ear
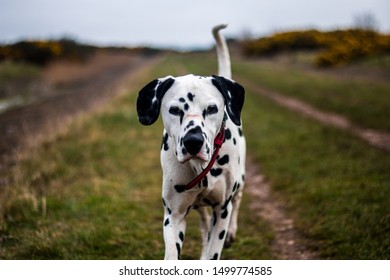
149,99
234,95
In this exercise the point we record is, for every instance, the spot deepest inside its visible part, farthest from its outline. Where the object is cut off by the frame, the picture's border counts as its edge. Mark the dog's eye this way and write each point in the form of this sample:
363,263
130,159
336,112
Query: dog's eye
212,109
174,110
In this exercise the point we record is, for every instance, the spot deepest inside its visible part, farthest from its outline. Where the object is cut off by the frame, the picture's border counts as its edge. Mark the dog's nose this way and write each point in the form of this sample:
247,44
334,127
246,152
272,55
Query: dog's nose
193,141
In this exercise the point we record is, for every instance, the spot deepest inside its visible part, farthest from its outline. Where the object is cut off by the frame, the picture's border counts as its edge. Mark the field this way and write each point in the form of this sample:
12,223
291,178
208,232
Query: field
94,190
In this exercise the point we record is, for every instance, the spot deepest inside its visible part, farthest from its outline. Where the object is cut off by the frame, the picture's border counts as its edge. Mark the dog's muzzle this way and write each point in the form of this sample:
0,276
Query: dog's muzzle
193,141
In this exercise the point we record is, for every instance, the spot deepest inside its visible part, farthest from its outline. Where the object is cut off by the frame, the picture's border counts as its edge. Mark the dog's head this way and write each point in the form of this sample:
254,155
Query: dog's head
193,109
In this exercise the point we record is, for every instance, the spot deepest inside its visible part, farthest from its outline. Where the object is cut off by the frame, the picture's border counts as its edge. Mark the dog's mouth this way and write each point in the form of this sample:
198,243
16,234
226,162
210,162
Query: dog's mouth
199,156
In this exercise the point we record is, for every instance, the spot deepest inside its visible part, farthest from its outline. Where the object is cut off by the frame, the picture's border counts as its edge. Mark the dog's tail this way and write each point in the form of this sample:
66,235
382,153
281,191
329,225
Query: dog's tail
224,68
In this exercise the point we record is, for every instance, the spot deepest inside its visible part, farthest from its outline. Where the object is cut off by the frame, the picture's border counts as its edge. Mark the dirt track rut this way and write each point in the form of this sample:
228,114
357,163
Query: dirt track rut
288,243
28,125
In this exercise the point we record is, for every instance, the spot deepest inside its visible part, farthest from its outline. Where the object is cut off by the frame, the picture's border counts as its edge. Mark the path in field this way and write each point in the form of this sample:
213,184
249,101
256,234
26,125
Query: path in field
288,243
373,137
68,90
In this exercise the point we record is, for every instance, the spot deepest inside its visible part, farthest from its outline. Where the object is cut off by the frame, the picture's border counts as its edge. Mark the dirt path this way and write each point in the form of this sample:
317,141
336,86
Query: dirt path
373,137
288,244
68,90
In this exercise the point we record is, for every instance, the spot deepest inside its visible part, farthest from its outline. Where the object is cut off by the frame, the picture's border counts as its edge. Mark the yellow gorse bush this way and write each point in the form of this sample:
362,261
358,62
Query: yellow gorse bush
42,52
336,47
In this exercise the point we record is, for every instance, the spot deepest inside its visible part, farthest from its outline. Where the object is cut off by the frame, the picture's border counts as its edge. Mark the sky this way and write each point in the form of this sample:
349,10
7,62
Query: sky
176,23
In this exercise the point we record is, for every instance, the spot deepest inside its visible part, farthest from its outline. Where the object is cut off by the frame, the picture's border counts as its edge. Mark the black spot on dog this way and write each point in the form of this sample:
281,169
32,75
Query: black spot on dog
216,172
169,211
182,100
214,218
215,257
180,188
178,250
228,134
224,206
243,177
163,200
166,222
181,117
204,114
181,236
190,123
186,107
223,160
224,214
205,182
164,144
222,235
190,96
235,187
234,141
240,131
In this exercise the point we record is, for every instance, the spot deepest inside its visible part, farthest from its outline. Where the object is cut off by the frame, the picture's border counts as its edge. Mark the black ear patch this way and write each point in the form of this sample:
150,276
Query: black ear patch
149,100
234,95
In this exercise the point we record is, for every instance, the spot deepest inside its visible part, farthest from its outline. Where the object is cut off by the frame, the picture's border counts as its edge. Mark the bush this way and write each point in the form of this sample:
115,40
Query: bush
337,47
42,52
287,41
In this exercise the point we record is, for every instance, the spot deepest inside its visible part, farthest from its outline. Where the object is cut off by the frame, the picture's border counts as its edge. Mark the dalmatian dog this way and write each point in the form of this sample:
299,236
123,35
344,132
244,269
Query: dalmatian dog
195,110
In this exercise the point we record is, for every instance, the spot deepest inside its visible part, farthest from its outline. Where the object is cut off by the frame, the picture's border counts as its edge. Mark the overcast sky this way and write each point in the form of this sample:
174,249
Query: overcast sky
177,23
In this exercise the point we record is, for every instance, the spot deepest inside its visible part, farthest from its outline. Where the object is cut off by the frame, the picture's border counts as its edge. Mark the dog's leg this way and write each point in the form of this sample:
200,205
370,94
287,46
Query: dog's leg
174,230
204,227
231,233
219,226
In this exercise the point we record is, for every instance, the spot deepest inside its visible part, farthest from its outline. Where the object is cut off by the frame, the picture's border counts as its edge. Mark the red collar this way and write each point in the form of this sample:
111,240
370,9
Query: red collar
218,141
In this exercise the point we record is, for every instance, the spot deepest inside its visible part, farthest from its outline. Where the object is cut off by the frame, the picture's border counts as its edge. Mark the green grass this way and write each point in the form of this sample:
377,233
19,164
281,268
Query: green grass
365,103
102,181
336,187
11,71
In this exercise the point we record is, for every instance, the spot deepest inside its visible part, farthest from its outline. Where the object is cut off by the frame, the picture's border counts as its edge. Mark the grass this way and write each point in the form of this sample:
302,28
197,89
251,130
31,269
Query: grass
336,187
366,103
16,71
102,183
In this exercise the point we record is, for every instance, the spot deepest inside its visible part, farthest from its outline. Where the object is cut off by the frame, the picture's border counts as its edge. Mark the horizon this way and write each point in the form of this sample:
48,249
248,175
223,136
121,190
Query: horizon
174,24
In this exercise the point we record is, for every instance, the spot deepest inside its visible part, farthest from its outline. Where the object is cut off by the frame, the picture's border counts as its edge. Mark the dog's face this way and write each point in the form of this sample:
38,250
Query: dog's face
193,109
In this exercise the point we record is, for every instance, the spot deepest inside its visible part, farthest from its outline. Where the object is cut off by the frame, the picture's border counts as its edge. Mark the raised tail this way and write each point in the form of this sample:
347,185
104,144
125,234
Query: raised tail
224,68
